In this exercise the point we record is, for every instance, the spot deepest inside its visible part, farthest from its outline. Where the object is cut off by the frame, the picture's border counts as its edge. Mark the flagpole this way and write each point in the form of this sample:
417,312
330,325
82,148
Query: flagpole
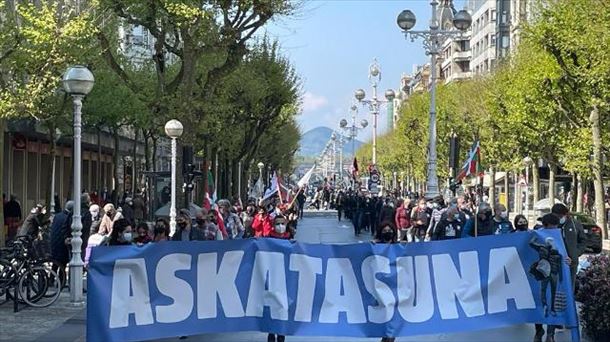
476,216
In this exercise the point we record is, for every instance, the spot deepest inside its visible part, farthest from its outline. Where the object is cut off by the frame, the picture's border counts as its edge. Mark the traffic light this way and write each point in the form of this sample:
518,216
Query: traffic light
187,160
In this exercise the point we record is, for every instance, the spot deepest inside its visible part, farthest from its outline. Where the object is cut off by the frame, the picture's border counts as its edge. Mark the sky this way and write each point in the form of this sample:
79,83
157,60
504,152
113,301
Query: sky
331,44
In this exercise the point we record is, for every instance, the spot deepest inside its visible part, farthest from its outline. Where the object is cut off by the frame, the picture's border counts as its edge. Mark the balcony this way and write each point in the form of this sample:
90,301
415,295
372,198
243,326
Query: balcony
461,55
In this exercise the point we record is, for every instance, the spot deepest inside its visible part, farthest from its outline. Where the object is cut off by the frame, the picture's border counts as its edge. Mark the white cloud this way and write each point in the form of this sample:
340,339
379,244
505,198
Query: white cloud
313,102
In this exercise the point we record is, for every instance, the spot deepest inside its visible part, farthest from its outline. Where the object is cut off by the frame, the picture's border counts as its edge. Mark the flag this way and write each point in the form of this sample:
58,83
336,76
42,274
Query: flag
257,189
209,200
355,168
472,166
273,189
306,177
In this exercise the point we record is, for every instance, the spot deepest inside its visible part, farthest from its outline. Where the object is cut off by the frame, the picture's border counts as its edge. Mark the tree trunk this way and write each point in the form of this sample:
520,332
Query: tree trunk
535,182
146,150
98,186
573,193
2,190
506,194
134,156
598,182
115,162
154,153
52,153
552,169
580,193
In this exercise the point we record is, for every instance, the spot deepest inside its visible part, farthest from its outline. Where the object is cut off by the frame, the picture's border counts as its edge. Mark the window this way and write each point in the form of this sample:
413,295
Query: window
493,15
505,42
493,40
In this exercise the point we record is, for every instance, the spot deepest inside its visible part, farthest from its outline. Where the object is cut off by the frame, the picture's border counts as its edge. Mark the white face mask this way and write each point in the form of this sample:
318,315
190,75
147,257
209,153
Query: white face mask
456,216
504,214
280,228
127,237
562,220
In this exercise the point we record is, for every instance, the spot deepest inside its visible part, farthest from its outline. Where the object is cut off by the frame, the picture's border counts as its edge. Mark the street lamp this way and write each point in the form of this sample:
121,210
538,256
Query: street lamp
433,41
173,129
374,102
352,131
527,161
260,184
78,82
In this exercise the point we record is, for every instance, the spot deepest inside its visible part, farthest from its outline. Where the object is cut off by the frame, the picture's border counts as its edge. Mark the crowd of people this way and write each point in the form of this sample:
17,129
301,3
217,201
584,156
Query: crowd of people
388,219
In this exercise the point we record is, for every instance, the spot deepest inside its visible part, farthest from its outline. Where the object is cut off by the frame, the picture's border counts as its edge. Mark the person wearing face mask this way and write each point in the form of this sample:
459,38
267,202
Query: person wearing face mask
107,220
387,234
573,236
161,230
501,223
484,223
184,231
122,234
438,208
449,227
142,236
403,220
420,218
247,216
262,225
204,228
280,228
232,223
520,224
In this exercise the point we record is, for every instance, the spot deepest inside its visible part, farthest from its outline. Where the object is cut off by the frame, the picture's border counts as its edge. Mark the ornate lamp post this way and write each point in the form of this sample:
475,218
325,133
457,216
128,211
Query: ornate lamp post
433,40
352,130
374,102
78,82
173,129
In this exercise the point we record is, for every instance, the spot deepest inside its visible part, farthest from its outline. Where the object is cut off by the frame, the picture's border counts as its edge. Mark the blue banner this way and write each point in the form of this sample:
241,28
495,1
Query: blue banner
362,290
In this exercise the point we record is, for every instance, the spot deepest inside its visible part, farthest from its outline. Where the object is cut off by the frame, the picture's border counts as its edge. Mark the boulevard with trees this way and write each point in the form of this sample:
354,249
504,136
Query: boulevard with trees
210,66
549,100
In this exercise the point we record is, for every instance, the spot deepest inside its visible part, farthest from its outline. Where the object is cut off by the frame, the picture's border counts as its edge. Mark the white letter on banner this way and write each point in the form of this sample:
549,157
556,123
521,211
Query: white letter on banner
450,285
414,305
221,281
308,268
268,266
383,312
179,290
506,263
340,274
130,294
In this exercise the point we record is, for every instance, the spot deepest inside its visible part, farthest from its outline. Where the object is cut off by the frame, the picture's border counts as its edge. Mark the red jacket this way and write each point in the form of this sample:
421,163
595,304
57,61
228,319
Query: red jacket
262,226
402,218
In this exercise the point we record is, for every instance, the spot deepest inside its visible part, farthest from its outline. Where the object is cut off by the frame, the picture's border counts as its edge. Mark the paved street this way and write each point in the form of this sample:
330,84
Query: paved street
64,323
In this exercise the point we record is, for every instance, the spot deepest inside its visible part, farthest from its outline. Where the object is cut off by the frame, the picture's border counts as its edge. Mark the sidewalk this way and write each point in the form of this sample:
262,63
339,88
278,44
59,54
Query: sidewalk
59,322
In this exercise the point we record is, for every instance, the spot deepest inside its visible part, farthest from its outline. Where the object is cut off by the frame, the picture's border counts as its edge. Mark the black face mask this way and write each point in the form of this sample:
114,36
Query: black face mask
182,225
387,236
200,221
521,227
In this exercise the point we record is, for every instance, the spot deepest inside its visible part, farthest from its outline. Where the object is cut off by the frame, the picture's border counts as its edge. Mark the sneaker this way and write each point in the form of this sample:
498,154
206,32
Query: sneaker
538,337
550,338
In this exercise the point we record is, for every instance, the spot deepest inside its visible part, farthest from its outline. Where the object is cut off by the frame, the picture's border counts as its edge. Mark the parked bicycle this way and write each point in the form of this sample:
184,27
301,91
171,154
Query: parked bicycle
26,269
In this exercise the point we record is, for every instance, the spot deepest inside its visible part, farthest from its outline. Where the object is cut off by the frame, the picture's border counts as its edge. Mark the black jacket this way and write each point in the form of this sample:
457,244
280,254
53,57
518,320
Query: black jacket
574,239
446,230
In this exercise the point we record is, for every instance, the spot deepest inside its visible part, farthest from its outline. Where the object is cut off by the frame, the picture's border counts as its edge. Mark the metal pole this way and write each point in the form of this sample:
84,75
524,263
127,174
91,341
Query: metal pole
53,184
76,263
341,159
172,208
527,192
432,181
375,105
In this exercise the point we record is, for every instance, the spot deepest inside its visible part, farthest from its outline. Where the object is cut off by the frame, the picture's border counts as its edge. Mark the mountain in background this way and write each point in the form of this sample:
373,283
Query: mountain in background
312,142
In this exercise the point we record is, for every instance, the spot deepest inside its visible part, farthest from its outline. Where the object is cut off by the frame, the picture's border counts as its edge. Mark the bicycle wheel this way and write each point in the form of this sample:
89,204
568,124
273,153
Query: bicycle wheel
8,277
57,269
52,284
33,285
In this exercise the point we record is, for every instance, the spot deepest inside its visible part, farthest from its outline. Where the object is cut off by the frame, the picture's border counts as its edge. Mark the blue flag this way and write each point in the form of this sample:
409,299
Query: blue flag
362,290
